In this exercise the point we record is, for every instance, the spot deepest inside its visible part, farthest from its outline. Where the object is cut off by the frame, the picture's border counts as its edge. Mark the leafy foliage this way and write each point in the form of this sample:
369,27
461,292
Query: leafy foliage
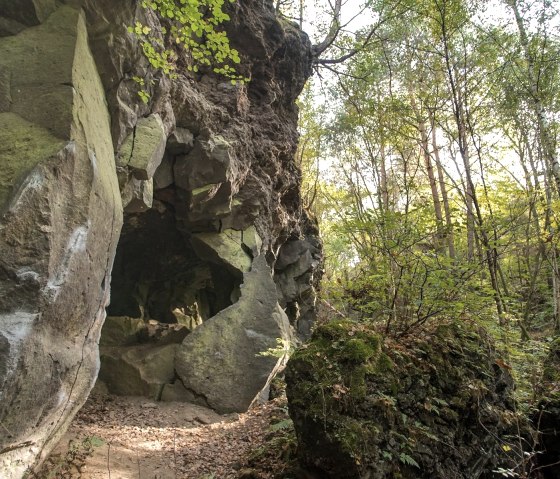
433,169
193,27
429,171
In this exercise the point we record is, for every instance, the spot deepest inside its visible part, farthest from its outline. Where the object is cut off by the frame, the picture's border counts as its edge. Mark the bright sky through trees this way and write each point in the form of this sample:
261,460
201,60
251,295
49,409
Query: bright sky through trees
431,158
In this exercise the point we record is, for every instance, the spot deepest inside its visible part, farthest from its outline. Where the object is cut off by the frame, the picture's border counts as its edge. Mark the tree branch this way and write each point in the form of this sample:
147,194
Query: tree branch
332,33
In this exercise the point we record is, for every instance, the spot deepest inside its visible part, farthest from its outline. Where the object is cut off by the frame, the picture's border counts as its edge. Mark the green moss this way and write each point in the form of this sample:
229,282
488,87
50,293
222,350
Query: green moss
354,437
384,363
353,340
356,350
339,358
22,146
333,330
382,404
358,383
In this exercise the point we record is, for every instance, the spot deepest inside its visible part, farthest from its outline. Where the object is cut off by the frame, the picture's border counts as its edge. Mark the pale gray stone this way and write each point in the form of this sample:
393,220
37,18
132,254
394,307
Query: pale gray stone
143,150
220,361
59,228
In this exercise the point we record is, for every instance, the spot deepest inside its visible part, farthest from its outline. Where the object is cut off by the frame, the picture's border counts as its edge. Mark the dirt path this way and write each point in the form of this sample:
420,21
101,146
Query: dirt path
134,438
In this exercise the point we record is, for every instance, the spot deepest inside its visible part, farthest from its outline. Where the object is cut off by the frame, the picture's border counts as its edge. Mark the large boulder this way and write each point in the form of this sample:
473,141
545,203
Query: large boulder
138,370
221,361
436,407
546,417
60,220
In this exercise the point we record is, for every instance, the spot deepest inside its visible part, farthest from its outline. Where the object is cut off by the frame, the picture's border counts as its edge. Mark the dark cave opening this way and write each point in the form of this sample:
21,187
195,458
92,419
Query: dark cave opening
162,288
158,276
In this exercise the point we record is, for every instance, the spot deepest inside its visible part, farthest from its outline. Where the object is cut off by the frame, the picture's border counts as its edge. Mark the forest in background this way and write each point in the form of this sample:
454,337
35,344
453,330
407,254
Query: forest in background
430,158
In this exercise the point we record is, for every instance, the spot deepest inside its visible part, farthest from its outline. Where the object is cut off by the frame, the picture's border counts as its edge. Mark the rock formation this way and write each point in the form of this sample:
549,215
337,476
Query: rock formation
437,407
546,417
192,186
228,379
61,217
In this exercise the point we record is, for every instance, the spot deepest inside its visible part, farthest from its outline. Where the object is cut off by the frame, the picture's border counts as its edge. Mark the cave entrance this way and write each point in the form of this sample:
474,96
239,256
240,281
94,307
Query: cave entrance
161,290
158,276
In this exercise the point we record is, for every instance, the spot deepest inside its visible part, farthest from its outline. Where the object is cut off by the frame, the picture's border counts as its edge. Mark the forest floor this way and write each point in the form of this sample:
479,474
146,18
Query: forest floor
134,438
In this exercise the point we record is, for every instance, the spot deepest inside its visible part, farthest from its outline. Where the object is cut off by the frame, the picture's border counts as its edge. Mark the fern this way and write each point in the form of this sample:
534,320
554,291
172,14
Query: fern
406,459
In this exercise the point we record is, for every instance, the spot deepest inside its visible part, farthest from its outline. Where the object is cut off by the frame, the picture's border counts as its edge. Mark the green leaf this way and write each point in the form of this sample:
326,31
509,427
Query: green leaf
96,441
409,461
281,425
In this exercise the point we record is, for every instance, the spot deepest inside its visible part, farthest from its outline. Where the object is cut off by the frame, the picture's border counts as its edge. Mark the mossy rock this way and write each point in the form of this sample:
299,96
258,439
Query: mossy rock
547,414
418,408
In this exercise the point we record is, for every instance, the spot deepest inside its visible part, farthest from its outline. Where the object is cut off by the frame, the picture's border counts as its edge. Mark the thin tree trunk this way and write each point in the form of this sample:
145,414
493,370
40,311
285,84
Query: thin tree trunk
459,113
545,137
445,198
429,170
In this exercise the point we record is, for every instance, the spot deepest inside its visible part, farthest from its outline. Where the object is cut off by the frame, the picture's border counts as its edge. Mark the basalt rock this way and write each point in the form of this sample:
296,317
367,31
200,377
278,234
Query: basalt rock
297,275
222,361
435,407
141,370
61,216
77,144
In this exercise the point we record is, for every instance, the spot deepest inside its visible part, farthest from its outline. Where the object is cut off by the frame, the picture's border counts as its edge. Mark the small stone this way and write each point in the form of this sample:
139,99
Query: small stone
137,195
180,142
203,420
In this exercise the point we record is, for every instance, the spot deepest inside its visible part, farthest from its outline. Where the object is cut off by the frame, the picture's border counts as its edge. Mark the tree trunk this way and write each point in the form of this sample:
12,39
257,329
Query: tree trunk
460,112
429,170
545,136
445,198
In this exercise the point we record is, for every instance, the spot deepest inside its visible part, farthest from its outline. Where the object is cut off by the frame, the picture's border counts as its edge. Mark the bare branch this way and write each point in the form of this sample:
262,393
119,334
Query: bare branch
336,28
350,54
333,31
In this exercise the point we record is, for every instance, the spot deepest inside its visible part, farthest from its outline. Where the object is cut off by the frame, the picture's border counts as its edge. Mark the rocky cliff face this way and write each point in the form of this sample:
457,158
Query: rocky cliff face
184,195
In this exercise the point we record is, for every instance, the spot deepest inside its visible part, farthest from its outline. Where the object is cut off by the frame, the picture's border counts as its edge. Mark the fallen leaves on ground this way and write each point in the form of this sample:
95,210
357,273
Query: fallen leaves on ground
139,439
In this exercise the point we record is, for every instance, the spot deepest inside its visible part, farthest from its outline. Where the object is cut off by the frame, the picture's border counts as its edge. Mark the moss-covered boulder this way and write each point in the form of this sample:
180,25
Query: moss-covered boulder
547,416
437,406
